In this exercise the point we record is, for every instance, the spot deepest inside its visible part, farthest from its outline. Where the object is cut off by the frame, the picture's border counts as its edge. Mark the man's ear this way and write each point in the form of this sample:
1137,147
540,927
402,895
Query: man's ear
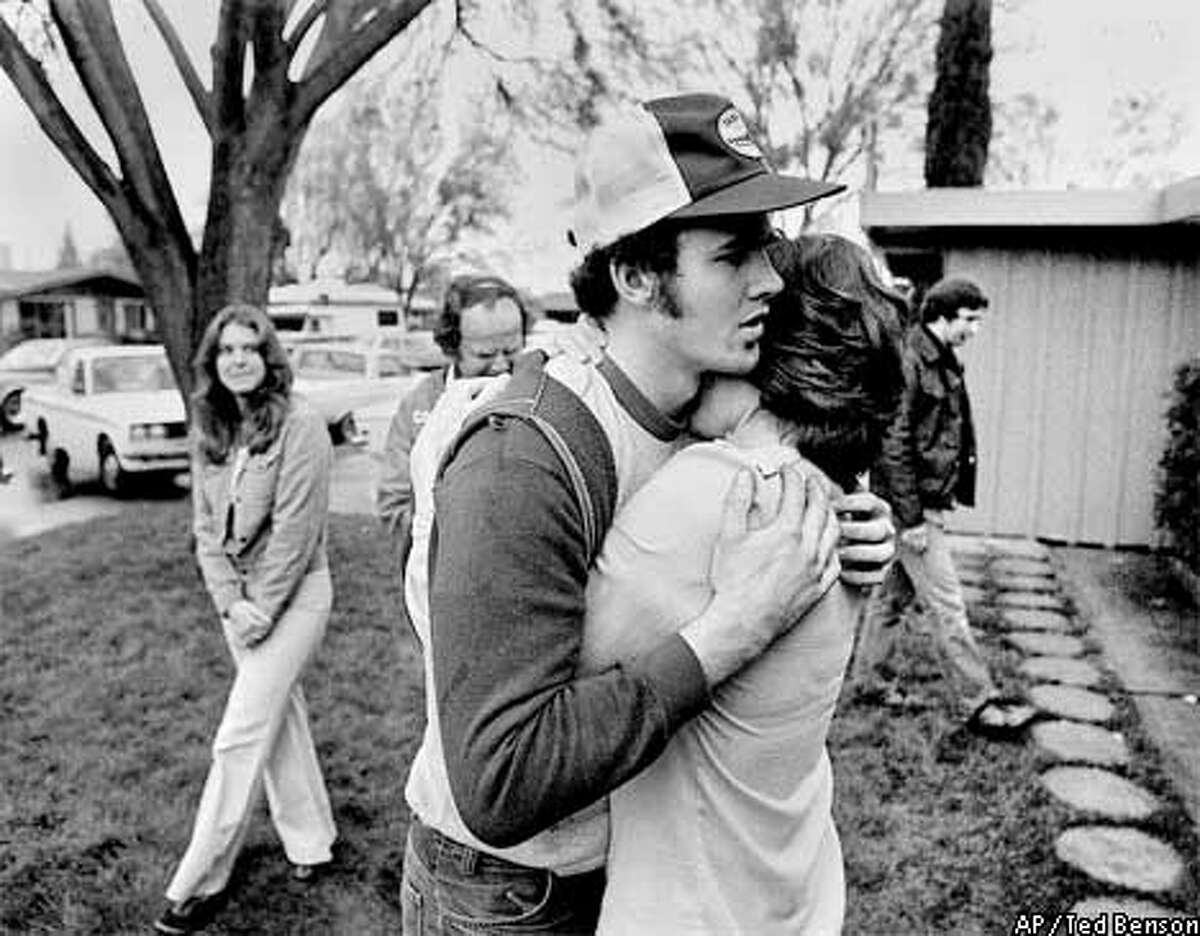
633,284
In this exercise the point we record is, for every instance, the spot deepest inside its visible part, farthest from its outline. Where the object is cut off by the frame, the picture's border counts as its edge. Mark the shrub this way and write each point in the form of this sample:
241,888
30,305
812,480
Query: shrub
1177,500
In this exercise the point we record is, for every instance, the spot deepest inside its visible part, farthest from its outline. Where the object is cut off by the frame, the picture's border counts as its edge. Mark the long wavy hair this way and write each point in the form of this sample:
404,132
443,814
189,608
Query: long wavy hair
219,422
831,362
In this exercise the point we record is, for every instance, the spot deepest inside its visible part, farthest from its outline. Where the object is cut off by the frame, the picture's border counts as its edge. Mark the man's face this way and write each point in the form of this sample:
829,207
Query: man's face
491,337
713,307
963,327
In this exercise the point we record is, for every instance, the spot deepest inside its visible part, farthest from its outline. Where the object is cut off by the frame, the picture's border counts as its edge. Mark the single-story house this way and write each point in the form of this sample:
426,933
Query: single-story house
1095,300
73,301
335,307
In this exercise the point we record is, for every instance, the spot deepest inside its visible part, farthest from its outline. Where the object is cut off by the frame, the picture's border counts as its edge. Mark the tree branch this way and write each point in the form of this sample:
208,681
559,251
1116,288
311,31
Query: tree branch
183,63
94,47
229,65
310,16
345,53
29,79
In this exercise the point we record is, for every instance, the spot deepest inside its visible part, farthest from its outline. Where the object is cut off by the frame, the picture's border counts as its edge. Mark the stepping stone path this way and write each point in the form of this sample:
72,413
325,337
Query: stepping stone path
1096,791
1072,702
1067,670
1042,644
1121,855
1037,620
1086,759
1073,741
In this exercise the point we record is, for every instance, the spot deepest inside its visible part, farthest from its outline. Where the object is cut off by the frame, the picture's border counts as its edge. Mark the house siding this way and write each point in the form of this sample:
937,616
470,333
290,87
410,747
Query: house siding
1069,381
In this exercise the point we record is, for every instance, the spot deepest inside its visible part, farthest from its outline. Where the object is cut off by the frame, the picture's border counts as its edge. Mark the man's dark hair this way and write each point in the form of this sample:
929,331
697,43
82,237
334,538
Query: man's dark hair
654,249
464,292
945,297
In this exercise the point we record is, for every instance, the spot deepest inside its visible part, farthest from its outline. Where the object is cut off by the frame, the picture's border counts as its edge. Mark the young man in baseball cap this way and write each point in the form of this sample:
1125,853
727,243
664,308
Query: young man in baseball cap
508,788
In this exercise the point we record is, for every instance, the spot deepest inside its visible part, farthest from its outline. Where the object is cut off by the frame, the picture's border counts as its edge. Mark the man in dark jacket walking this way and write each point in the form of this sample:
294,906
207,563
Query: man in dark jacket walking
926,469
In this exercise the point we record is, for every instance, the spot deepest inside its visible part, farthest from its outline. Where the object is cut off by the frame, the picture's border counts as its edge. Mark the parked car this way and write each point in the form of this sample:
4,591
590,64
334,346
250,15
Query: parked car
112,413
32,361
341,379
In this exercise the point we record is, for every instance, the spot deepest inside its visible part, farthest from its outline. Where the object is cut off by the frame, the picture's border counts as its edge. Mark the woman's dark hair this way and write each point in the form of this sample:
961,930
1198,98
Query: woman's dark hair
654,249
218,420
831,361
464,292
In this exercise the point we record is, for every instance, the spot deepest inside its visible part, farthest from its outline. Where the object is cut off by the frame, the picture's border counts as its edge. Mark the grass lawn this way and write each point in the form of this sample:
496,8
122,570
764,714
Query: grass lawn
112,679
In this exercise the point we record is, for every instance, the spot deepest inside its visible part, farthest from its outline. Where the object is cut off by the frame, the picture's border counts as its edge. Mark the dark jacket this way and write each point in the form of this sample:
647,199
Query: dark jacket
928,459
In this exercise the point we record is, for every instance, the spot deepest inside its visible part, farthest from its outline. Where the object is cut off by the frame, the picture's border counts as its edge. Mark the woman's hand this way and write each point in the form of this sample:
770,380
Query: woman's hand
250,625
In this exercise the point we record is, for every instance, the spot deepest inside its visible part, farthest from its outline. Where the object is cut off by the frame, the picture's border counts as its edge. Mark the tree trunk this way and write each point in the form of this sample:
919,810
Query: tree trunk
959,125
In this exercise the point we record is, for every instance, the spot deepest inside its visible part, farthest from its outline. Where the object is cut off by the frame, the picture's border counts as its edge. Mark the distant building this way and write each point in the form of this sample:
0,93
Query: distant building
335,308
1095,299
79,301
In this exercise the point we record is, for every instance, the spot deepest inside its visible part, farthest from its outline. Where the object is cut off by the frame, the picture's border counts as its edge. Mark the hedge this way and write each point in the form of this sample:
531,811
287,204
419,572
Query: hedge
1177,500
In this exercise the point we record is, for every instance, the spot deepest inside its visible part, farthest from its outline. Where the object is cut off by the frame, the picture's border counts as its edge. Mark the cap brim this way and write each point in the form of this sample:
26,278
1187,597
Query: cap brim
767,191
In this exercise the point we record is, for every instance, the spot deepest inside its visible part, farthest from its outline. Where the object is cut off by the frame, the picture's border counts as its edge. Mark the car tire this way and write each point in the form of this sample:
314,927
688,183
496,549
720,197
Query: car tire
60,470
10,412
112,476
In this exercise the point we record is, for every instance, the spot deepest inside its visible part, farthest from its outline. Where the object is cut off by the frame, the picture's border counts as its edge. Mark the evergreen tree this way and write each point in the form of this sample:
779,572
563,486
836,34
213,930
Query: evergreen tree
68,255
959,126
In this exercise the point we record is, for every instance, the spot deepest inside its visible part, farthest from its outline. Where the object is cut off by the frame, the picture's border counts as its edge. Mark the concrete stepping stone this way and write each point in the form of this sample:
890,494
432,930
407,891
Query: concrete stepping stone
1043,644
972,594
1122,856
1036,600
1019,548
1091,790
1075,741
1072,702
1017,565
1026,583
1067,670
969,575
1131,908
1037,619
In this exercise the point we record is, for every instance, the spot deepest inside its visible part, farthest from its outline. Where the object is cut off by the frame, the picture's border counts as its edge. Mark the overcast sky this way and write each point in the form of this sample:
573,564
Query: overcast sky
1077,54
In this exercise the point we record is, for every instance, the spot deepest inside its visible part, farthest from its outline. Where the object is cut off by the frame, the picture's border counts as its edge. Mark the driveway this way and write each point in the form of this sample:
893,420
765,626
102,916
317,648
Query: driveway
29,503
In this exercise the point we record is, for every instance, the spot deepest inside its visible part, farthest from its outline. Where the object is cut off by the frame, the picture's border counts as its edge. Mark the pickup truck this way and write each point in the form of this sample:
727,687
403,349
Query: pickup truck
114,414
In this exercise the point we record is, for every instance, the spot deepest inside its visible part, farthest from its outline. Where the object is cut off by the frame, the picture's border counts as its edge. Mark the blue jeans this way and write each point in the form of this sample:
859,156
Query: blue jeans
450,889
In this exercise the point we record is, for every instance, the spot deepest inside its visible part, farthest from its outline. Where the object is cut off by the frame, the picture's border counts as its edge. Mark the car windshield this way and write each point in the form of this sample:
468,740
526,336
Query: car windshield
33,355
327,364
131,374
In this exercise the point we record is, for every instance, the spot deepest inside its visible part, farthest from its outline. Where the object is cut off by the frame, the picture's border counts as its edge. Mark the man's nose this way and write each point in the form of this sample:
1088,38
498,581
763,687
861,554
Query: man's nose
766,281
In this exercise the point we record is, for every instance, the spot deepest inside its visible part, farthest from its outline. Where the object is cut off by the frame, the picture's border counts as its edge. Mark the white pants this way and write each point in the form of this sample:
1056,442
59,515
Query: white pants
264,742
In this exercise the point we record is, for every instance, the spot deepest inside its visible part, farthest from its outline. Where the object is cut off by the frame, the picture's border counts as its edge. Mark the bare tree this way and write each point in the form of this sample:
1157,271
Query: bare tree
274,63
367,208
822,79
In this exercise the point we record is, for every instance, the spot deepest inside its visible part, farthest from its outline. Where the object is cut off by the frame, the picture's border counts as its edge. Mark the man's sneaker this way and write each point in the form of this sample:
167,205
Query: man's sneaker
187,916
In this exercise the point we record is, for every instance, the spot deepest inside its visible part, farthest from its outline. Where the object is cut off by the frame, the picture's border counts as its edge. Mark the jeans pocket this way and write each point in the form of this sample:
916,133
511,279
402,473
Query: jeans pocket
496,901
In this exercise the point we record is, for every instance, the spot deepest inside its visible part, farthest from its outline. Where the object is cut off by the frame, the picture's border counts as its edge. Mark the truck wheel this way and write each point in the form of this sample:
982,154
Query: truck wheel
60,470
112,476
10,412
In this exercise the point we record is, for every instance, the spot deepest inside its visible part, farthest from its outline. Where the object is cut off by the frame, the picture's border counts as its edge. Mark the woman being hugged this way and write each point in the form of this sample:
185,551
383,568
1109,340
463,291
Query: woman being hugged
731,829
260,493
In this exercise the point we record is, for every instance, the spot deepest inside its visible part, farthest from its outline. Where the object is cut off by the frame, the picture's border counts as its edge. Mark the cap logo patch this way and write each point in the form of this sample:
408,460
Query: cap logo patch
734,133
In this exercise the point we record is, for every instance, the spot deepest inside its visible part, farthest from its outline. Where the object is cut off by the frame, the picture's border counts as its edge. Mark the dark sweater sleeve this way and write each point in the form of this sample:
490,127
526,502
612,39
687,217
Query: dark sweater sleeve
527,739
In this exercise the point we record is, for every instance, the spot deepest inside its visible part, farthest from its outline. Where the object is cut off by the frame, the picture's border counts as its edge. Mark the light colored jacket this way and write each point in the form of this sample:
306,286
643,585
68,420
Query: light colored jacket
260,530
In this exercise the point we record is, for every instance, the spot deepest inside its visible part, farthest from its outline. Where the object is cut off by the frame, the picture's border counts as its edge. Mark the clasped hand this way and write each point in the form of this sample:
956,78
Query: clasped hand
250,625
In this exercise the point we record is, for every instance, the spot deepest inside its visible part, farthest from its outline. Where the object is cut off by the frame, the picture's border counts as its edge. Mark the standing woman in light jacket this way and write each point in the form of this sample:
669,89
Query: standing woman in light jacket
260,491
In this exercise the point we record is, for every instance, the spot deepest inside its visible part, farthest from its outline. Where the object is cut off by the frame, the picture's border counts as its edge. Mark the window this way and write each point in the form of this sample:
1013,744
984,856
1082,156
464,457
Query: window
386,317
39,318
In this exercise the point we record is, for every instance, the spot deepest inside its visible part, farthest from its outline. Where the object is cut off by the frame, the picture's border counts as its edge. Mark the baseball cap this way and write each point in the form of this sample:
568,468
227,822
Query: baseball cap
686,156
